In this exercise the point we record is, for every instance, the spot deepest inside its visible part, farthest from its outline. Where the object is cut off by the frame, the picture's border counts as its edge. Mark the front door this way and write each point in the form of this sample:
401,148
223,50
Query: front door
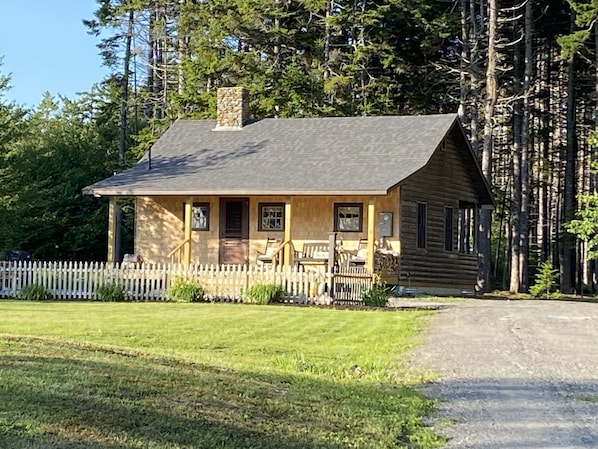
234,230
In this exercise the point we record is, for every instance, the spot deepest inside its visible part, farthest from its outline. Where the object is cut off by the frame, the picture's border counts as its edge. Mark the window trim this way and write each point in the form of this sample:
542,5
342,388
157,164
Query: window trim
421,233
337,227
260,222
198,205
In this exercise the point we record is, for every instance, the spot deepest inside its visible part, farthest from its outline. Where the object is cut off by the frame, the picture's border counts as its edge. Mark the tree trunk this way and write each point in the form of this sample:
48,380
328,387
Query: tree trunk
515,278
543,226
568,246
151,63
484,230
182,43
525,144
124,101
463,81
474,85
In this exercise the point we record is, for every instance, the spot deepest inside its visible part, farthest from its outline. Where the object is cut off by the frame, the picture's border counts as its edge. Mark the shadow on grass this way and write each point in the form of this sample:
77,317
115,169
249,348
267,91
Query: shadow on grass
54,396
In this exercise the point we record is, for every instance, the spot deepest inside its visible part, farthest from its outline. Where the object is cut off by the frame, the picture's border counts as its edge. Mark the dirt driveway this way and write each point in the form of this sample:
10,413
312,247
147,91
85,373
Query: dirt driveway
514,374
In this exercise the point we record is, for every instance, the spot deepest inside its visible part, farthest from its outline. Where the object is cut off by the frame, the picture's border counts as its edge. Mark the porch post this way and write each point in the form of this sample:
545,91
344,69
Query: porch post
331,262
288,257
188,223
112,234
371,234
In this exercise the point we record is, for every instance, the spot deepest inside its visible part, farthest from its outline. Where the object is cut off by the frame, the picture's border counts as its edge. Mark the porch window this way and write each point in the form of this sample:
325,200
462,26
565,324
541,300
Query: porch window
271,217
200,219
348,217
422,224
467,227
448,228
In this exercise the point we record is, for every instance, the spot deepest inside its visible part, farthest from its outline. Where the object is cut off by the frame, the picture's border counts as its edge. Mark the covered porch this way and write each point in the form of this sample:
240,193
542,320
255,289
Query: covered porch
311,232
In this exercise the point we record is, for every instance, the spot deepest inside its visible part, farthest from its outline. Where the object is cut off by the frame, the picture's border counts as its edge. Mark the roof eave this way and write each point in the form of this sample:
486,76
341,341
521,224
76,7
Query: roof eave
107,192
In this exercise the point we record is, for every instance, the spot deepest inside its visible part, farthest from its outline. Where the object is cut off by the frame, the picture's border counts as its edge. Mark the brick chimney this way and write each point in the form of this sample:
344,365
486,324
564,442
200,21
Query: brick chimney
232,108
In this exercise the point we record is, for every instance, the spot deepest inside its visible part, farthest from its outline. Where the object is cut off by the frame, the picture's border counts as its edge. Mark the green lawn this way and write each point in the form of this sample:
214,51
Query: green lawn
161,375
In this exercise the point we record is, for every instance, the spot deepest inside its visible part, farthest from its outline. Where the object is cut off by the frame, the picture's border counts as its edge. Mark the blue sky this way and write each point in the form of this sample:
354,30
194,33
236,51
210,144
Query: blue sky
45,47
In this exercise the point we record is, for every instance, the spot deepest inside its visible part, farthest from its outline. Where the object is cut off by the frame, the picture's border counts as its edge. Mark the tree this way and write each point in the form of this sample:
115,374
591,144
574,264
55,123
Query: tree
585,15
484,234
544,282
585,224
44,211
12,129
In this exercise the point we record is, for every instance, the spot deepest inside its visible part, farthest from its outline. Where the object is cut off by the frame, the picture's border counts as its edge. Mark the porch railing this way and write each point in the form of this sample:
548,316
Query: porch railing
177,255
350,283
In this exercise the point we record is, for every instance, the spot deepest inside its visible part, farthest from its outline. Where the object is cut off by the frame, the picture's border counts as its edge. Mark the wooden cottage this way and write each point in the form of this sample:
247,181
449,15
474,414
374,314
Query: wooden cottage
400,194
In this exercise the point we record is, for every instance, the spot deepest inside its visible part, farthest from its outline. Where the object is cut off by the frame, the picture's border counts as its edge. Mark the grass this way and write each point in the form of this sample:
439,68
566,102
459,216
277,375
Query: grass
587,397
155,375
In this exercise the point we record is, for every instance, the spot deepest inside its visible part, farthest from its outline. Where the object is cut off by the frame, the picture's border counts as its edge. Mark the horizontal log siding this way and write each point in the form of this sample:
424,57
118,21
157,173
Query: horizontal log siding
442,183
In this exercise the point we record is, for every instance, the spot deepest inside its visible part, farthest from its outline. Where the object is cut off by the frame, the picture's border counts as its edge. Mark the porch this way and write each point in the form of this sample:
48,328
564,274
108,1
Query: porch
237,230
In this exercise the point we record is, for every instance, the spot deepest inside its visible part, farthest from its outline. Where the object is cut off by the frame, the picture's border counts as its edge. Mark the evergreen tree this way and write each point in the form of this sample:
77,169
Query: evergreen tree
58,152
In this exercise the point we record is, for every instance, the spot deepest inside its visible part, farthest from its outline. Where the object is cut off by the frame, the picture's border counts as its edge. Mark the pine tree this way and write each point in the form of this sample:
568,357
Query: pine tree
545,280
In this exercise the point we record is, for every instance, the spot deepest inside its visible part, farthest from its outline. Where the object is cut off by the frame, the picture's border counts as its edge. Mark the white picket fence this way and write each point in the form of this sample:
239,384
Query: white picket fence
80,280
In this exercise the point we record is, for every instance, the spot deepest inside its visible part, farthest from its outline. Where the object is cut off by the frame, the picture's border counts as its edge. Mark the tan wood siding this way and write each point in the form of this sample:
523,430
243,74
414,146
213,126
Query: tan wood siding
159,228
159,225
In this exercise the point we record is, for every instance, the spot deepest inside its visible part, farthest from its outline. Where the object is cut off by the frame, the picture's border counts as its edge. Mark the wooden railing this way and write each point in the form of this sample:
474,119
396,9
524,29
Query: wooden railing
350,283
177,255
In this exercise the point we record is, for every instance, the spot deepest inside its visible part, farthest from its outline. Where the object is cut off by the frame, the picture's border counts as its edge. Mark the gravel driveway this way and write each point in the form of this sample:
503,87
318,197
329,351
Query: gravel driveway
514,374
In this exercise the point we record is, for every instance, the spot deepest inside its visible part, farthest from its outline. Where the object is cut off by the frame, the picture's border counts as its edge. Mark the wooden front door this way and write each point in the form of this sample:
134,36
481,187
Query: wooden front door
234,230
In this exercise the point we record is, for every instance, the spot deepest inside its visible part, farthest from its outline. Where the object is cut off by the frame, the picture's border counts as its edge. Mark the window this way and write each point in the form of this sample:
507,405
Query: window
348,217
467,227
271,217
448,228
200,219
422,212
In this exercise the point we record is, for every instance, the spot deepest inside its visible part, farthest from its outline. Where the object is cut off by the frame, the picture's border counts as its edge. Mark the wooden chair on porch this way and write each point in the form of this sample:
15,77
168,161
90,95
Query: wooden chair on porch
360,255
270,253
313,253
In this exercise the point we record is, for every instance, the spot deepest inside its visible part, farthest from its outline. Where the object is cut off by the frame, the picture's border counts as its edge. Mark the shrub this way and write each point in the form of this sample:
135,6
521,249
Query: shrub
264,294
377,296
111,292
545,281
185,290
35,292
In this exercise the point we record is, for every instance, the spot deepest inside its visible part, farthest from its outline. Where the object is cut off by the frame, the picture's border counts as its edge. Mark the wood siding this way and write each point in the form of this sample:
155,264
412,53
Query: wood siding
159,225
444,182
159,228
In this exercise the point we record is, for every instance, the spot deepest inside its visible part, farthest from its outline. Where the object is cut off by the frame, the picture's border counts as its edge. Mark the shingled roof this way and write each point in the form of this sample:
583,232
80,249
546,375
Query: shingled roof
301,156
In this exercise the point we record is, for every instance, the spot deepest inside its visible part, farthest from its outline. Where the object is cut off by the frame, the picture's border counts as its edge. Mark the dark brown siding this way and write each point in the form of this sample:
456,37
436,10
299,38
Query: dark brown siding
445,181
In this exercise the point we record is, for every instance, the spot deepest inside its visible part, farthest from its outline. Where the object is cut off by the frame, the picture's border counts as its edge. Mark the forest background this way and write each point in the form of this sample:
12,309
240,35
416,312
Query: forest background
522,75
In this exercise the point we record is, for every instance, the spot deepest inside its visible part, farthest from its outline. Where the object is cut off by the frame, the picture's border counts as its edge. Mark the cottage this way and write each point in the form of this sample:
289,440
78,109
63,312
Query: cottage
405,188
